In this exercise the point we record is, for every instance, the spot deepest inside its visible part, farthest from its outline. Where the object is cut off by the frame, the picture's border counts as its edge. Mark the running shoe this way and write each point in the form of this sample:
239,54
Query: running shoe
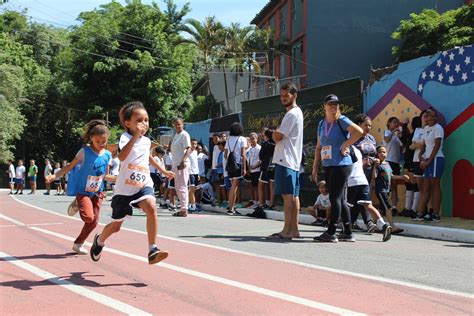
230,212
433,219
386,232
371,227
79,249
325,237
73,208
418,218
96,250
156,255
346,237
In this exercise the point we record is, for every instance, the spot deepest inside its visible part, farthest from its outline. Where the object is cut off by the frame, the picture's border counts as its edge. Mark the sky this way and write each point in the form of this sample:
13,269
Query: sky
64,12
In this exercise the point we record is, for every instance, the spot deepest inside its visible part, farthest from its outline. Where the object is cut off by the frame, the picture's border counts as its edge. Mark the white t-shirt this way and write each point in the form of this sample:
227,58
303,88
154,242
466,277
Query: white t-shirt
357,176
56,170
253,157
20,172
180,143
168,159
288,152
430,133
417,138
114,166
134,171
11,171
158,161
207,188
323,201
202,157
193,162
215,156
237,142
224,164
393,147
47,170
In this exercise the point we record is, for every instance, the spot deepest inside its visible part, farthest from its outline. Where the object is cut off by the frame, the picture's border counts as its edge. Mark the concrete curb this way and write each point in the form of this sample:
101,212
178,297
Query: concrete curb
413,230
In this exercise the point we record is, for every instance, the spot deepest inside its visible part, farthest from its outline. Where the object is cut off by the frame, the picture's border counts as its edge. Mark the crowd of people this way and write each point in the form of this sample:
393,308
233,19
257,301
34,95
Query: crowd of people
349,168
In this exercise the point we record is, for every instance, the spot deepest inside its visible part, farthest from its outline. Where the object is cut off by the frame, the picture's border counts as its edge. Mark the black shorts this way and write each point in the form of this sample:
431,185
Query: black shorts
157,179
417,171
235,174
384,200
220,179
267,176
171,184
193,180
122,205
254,178
395,168
359,194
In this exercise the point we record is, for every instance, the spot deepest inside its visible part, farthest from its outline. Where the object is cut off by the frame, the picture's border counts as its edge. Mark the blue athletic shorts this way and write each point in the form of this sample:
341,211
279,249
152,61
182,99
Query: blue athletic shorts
435,168
287,181
19,181
122,205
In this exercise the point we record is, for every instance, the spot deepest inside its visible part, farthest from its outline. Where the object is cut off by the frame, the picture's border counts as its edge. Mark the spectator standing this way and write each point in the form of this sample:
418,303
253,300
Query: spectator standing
181,149
202,158
32,174
287,157
333,151
394,147
11,176
253,161
193,176
20,174
48,170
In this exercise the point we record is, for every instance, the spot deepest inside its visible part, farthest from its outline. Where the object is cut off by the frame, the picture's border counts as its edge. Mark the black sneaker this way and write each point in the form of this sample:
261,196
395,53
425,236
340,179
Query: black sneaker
405,212
96,250
418,218
325,237
325,223
156,255
346,237
411,214
371,227
386,232
432,219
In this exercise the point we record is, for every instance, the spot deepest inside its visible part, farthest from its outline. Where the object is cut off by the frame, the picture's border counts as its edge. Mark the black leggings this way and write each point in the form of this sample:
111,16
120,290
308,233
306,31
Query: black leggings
336,178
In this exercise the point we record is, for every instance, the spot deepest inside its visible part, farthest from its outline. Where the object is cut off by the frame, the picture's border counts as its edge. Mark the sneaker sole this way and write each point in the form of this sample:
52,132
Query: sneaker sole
93,247
162,255
387,234
80,252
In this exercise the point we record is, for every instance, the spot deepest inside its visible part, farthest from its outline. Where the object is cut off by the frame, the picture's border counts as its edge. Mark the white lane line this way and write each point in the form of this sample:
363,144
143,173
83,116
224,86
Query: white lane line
99,298
210,277
303,264
41,224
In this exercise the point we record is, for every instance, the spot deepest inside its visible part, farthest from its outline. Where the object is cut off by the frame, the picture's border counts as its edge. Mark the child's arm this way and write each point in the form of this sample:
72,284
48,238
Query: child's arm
404,177
165,172
62,171
126,149
108,176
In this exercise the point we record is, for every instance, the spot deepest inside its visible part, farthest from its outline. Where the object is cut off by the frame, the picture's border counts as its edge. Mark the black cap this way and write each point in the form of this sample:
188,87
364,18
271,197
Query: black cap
331,98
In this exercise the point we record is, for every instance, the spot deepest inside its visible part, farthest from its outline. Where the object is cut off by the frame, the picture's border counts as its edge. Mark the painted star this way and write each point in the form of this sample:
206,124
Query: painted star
432,74
464,76
423,75
420,87
440,77
447,68
467,60
457,68
451,79
439,63
451,56
461,50
445,53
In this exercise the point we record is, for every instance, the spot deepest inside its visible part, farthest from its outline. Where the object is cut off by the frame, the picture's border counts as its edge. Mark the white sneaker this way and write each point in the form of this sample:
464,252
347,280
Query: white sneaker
73,208
79,249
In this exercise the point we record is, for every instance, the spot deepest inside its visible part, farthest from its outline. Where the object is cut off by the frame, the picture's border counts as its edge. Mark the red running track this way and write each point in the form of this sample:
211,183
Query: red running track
193,280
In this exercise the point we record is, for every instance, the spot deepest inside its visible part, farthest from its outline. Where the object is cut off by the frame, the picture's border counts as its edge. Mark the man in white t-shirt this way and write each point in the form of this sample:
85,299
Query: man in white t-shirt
20,173
287,157
11,176
181,149
193,175
48,170
202,157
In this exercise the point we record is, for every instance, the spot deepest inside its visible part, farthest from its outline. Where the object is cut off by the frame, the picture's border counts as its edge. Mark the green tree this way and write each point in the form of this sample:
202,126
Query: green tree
429,32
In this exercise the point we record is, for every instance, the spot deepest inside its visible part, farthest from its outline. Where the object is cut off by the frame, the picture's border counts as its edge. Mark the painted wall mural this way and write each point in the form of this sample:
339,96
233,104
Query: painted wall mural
444,81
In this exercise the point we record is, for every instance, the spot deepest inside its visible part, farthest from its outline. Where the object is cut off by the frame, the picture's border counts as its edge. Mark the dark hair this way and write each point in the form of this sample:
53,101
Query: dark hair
194,139
269,133
216,135
416,122
379,147
126,111
160,150
236,129
390,120
290,87
221,142
361,118
95,127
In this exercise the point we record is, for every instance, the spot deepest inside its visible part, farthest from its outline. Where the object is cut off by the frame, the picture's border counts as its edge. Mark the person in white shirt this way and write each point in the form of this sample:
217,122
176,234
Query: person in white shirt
235,157
193,175
322,207
432,162
181,149
155,173
20,174
205,192
394,147
48,170
11,176
202,158
214,178
253,161
287,157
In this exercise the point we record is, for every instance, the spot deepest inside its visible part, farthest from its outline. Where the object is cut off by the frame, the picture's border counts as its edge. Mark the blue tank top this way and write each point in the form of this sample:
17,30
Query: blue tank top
92,168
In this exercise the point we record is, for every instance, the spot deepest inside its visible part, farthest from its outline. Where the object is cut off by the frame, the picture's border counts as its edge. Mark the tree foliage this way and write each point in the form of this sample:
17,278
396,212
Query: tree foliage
429,32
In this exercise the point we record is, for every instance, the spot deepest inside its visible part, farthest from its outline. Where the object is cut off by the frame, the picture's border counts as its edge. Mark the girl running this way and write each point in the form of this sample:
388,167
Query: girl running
94,160
134,187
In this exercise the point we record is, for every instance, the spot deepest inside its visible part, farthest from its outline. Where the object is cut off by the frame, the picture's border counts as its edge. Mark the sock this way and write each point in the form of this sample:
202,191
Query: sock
380,223
100,242
409,199
152,246
416,199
